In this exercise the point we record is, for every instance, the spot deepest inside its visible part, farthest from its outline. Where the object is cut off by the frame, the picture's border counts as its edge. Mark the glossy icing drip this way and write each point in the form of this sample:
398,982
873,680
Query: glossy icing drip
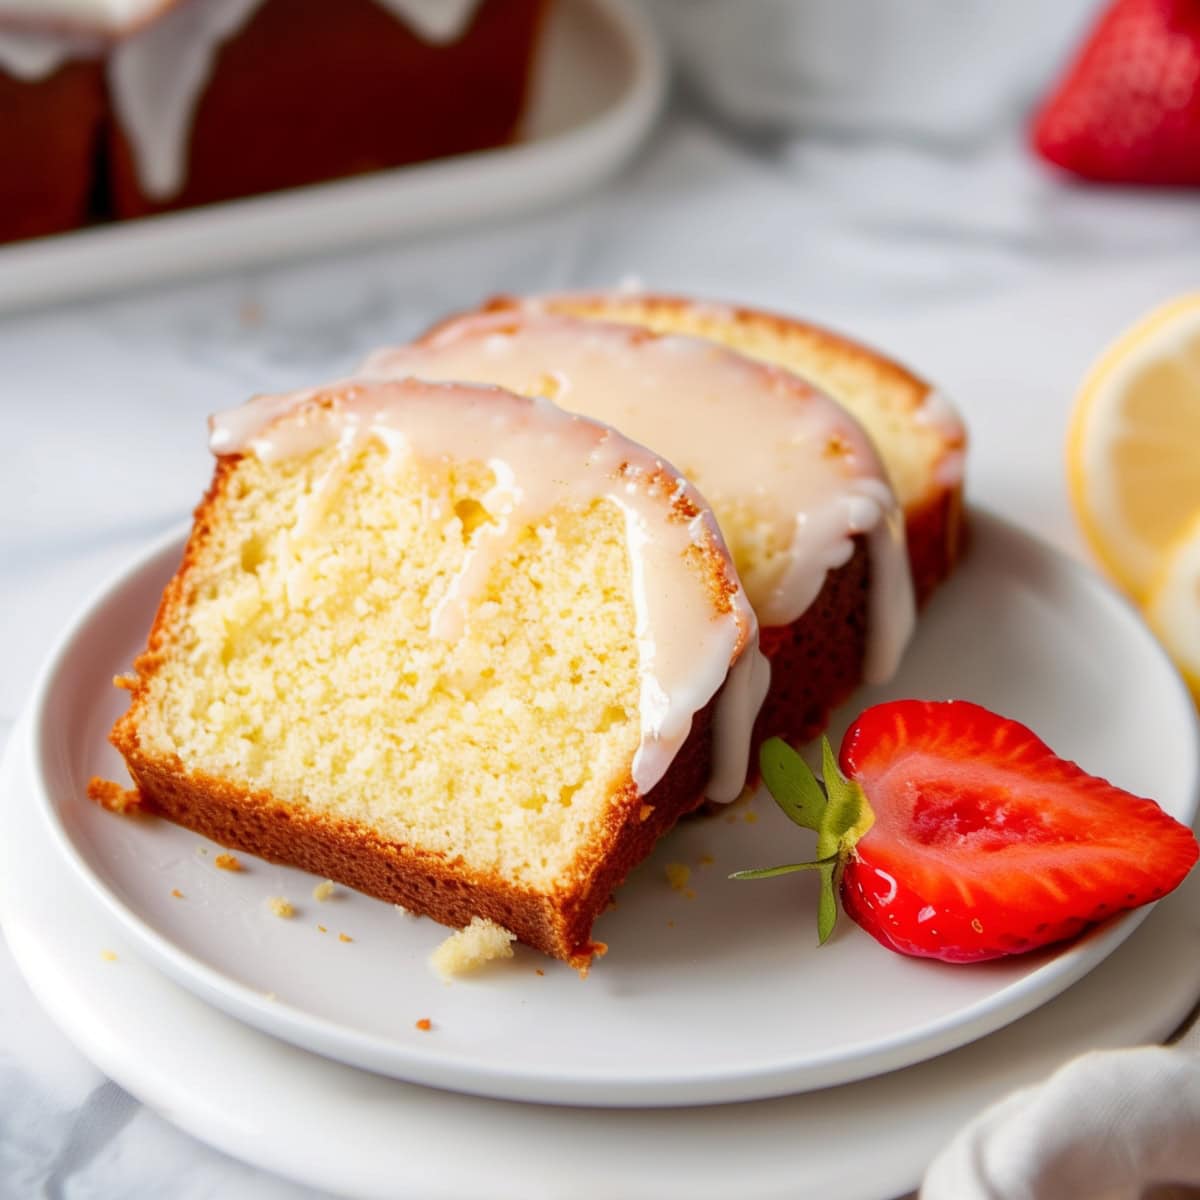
158,72
542,457
93,16
937,411
777,460
157,78
32,56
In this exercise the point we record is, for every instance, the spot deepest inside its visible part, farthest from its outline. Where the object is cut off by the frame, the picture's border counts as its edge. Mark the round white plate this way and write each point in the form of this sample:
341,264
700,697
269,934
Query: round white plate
712,994
597,88
361,1135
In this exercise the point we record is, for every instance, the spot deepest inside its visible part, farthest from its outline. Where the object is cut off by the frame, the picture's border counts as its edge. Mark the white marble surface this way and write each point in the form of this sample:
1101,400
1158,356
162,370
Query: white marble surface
917,240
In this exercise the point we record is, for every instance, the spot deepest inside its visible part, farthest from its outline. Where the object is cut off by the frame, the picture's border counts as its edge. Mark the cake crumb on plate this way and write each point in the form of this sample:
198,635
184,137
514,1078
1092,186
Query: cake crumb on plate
281,907
678,875
480,942
323,890
113,796
228,862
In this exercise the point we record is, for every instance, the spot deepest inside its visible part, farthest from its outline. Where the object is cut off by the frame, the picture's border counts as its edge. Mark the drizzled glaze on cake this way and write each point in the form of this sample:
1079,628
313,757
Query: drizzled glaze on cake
160,57
770,453
542,457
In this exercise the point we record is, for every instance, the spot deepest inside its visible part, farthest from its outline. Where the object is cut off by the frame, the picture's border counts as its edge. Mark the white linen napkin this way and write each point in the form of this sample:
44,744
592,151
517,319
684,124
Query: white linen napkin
1111,1125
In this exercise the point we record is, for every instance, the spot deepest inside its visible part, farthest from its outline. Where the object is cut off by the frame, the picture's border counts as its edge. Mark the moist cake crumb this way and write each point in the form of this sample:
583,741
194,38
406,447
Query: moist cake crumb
323,890
228,862
480,942
281,907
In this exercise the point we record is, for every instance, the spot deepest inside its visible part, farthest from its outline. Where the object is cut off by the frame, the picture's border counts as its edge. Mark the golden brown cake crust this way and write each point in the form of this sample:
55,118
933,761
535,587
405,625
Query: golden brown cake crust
816,662
447,891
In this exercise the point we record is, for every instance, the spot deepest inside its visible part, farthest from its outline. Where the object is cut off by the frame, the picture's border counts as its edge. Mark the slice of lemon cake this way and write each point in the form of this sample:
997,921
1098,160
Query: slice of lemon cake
915,428
453,647
793,480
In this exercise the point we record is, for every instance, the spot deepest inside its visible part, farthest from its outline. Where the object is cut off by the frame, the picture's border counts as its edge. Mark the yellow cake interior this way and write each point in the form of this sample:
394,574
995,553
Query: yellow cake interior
300,660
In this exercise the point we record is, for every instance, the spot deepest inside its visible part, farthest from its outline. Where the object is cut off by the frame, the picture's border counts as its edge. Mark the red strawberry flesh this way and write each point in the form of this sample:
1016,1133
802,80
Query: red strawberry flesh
986,843
1128,108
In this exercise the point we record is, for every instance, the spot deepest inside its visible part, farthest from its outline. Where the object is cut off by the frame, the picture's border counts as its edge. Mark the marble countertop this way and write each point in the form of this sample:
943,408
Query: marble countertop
919,245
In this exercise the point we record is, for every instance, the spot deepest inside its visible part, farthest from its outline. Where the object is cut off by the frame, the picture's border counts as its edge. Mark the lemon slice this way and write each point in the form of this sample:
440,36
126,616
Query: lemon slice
1133,451
1173,605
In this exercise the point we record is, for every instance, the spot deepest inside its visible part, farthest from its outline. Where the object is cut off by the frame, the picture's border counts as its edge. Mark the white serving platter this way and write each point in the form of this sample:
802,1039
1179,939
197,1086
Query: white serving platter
360,1135
714,995
598,87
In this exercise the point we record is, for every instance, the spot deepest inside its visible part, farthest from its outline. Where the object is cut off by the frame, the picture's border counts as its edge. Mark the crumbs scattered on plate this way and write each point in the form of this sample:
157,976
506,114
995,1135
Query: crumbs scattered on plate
281,907
228,862
678,875
113,796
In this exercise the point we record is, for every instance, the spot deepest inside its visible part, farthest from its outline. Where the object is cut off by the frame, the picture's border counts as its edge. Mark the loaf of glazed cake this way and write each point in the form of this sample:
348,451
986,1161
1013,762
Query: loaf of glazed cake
450,646
120,108
797,488
915,428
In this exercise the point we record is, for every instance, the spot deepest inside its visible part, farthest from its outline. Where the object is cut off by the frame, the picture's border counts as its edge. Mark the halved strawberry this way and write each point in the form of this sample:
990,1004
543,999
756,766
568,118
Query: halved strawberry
960,835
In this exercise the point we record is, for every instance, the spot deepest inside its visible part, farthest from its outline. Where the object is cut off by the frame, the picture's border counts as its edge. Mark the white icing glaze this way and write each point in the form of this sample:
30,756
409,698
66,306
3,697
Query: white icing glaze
434,20
157,77
937,411
158,72
30,56
99,16
754,439
733,725
541,458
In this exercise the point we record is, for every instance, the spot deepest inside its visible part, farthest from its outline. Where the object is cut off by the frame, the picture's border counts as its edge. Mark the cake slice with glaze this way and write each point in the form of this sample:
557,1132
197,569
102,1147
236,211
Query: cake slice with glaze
801,497
449,646
914,426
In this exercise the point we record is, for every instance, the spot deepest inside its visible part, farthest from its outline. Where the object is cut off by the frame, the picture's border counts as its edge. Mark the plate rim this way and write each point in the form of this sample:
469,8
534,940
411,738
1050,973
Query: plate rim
317,1088
597,1087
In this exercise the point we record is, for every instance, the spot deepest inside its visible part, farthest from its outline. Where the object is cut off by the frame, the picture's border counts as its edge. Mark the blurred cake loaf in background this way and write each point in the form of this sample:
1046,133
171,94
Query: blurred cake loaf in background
120,108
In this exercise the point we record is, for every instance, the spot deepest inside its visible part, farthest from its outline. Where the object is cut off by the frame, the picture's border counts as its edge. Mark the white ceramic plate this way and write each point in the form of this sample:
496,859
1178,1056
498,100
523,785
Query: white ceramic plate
597,89
717,995
355,1134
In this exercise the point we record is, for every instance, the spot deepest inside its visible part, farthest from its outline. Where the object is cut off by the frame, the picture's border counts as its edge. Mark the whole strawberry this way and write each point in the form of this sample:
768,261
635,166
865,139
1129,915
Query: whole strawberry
1128,108
960,835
